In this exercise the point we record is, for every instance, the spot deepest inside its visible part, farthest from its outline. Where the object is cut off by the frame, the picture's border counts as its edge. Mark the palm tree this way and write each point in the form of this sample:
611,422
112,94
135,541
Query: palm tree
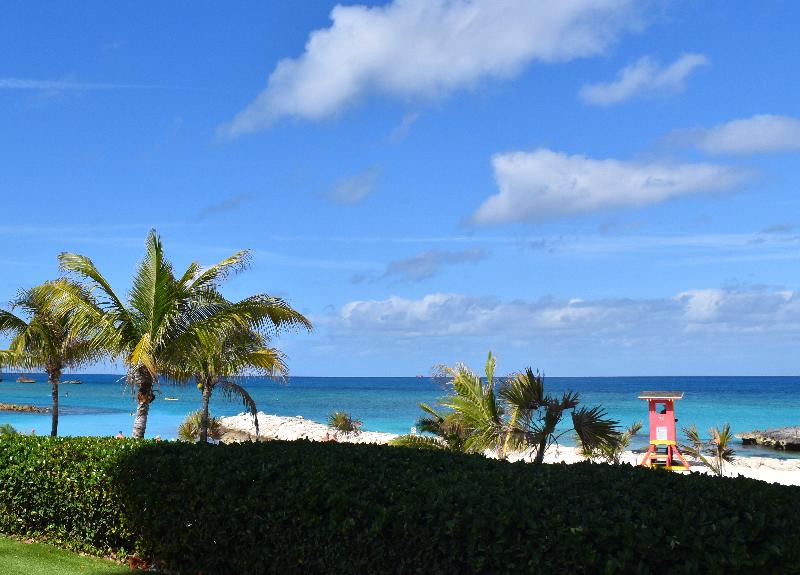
518,414
220,357
717,447
41,339
163,317
611,452
446,431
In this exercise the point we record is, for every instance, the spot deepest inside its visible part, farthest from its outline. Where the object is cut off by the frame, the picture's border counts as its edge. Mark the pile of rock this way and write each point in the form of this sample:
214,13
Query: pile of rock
23,408
786,438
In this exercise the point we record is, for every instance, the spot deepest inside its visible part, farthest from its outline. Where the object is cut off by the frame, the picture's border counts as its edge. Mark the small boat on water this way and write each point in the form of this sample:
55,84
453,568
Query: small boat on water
72,382
25,380
170,399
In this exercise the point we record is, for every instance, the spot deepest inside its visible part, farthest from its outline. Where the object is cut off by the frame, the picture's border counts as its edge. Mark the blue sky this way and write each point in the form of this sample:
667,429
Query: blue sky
594,187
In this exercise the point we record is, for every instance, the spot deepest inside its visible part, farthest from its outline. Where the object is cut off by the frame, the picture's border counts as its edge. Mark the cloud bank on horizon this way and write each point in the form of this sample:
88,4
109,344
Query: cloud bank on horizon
428,49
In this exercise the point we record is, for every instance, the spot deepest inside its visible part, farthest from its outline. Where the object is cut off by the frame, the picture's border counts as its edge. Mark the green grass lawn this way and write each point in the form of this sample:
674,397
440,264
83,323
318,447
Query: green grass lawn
38,559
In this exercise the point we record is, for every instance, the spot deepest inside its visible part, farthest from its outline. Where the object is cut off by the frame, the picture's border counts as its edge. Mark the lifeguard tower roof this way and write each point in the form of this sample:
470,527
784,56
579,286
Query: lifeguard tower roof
661,395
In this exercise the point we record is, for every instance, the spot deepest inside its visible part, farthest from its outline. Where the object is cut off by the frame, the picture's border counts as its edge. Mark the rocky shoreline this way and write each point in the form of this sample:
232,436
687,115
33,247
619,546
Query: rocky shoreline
784,439
23,408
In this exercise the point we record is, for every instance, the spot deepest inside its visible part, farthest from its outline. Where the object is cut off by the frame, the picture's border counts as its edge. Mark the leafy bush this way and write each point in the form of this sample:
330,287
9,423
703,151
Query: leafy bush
189,429
7,429
62,490
344,422
310,507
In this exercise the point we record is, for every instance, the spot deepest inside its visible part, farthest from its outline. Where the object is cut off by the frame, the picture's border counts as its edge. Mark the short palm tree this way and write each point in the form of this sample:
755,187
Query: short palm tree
717,448
163,317
442,431
611,452
219,357
41,339
517,414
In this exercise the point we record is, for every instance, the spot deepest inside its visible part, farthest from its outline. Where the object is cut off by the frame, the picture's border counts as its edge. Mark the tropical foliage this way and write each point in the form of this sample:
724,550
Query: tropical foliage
42,339
345,423
164,318
715,452
441,430
190,428
219,357
7,429
225,510
610,452
514,414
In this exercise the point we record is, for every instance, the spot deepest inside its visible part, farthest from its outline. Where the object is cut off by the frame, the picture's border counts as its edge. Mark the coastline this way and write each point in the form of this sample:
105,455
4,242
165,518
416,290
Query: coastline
240,427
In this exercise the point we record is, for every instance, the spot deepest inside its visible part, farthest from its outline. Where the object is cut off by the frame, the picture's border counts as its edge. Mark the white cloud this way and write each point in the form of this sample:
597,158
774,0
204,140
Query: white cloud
644,76
428,264
353,189
760,134
438,315
545,184
429,48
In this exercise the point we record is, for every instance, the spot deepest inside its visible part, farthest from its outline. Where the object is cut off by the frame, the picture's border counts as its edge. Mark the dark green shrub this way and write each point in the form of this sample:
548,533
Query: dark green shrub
302,507
344,422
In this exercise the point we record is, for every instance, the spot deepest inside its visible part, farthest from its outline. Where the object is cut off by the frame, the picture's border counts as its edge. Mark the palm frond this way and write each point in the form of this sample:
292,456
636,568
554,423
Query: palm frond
230,389
594,428
418,442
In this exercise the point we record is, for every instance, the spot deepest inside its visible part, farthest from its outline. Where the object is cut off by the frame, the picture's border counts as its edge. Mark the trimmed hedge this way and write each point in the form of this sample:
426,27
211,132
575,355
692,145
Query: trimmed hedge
301,507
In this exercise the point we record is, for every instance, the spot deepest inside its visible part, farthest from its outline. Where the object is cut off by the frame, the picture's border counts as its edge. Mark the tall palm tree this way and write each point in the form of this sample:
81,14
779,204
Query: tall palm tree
41,339
163,315
517,414
222,356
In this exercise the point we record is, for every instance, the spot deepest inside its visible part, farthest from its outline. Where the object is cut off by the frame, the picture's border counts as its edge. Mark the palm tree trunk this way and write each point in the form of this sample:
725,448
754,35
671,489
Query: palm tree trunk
141,379
542,447
204,413
54,377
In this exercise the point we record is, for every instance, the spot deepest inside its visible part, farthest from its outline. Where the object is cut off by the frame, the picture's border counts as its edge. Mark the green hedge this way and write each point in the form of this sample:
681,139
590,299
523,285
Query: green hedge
305,507
62,490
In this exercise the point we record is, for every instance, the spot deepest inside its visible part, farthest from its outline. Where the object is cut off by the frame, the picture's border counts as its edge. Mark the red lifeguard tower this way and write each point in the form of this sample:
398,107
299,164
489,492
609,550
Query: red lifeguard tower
663,451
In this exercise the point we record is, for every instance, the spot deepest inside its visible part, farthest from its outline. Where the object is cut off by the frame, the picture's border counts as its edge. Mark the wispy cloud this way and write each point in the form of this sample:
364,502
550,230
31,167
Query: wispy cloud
353,189
230,204
543,184
429,263
758,134
401,130
60,85
429,48
645,76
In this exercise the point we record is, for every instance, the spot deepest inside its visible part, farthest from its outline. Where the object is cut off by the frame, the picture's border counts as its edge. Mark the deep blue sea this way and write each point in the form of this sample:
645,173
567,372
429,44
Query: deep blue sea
103,405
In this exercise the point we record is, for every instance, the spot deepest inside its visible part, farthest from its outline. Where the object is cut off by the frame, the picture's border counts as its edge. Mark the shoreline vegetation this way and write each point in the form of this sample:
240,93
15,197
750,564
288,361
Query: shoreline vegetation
240,428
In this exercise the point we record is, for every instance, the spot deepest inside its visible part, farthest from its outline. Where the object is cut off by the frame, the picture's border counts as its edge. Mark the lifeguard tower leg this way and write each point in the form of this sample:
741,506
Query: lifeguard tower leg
646,461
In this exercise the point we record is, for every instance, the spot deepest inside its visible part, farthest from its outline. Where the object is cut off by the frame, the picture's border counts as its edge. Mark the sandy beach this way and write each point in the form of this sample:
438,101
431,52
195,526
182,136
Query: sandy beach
769,469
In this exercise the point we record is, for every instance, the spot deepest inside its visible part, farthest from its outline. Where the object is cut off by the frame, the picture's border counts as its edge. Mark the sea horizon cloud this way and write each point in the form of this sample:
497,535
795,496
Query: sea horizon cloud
733,311
544,184
645,76
759,134
428,49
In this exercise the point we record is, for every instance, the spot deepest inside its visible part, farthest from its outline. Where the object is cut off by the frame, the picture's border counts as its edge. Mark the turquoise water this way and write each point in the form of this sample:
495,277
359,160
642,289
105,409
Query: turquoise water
103,406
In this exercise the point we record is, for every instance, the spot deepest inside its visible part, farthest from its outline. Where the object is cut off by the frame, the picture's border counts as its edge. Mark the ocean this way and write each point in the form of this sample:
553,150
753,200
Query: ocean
102,405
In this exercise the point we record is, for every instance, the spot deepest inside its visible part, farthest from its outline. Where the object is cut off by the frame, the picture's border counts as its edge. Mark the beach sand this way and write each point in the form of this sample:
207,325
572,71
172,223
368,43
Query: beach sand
238,427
